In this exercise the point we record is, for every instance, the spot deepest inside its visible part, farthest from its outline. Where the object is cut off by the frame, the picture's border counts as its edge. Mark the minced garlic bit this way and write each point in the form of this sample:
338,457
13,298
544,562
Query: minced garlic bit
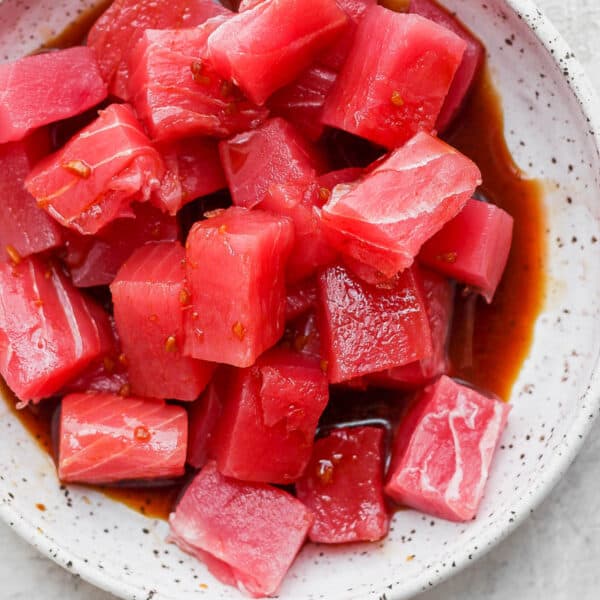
123,359
324,365
397,99
171,344
142,434
125,390
222,229
324,194
184,297
13,254
238,330
196,68
79,168
325,471
447,257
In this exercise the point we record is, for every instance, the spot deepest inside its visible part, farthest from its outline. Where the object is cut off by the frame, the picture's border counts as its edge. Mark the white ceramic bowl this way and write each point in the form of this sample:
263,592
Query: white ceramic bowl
551,118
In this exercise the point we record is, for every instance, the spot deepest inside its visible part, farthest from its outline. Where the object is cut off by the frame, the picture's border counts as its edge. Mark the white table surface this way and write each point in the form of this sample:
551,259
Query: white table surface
555,555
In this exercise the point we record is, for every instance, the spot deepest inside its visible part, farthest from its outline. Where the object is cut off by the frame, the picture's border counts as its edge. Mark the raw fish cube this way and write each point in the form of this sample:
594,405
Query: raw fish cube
105,438
203,415
301,297
116,33
254,529
94,178
24,227
383,220
469,67
44,88
264,48
49,331
365,329
235,271
439,303
311,250
274,153
177,93
343,486
193,170
395,79
270,414
95,259
444,449
473,248
150,297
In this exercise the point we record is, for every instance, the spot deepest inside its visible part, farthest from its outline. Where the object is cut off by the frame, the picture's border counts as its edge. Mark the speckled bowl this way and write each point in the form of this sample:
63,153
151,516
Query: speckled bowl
551,116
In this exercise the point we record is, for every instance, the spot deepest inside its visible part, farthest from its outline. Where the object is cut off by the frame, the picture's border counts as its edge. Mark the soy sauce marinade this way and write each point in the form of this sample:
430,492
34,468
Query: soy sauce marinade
488,342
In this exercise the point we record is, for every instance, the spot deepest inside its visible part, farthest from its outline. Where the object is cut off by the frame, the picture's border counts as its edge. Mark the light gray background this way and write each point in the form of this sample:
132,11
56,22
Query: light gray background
555,555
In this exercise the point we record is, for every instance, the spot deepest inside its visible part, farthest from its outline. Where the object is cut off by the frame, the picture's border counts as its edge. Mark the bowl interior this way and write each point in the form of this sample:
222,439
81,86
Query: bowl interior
554,399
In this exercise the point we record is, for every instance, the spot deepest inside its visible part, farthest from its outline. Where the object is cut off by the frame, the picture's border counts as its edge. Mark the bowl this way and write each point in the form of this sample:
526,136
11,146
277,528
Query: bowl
551,122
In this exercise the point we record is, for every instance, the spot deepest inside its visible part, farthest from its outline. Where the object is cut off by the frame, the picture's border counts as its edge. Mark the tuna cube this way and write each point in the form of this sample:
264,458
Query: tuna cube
105,438
439,303
94,178
149,299
116,33
49,331
177,93
24,227
365,328
301,102
310,250
473,248
44,88
203,416
343,486
272,154
383,220
236,275
95,259
444,449
193,169
264,48
395,79
469,66
247,533
273,409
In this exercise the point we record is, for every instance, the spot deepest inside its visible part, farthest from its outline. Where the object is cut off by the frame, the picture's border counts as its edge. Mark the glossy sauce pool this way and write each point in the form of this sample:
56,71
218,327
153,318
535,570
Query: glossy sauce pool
489,342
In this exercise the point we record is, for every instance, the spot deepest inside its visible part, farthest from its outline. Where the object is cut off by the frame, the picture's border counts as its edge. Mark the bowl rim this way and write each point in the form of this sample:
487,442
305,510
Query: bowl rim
585,94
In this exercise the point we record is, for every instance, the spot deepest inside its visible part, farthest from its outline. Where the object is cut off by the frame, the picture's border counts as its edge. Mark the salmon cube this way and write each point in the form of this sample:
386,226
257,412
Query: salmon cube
343,486
395,79
264,48
105,438
473,248
45,88
444,449
383,219
365,328
149,297
236,276
24,227
49,331
94,178
274,153
177,93
273,408
116,33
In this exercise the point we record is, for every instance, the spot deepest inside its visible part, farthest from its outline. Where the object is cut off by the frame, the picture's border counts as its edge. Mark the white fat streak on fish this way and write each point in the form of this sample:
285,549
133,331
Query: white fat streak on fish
162,442
466,412
69,312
